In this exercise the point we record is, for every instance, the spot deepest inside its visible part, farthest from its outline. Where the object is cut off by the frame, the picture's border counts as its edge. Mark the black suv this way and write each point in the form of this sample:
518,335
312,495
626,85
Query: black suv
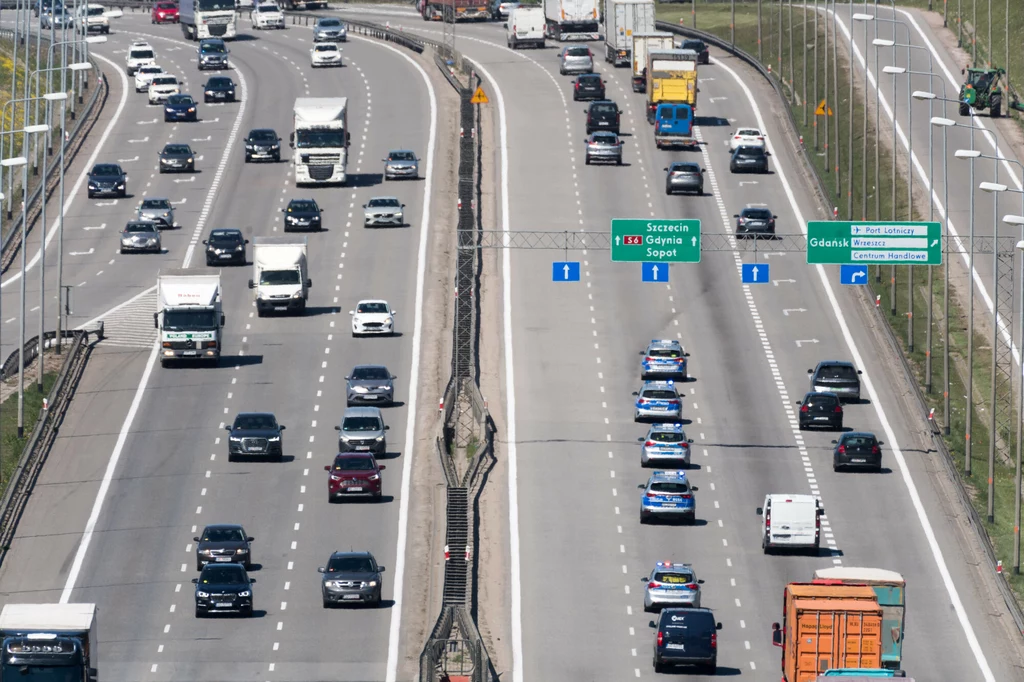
588,86
351,577
836,376
686,637
821,409
255,434
223,543
752,220
225,245
302,214
262,143
177,157
749,160
212,54
603,115
107,179
219,89
223,588
857,450
698,46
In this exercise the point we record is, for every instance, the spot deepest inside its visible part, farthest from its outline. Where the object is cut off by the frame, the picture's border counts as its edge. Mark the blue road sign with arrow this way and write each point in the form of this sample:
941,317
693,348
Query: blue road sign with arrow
565,271
755,273
853,274
654,272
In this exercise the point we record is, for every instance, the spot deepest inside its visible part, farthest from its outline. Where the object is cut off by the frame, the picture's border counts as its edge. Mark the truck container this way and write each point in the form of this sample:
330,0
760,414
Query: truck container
49,642
862,675
572,19
622,20
454,10
207,19
189,316
671,78
320,138
292,5
890,589
642,44
280,275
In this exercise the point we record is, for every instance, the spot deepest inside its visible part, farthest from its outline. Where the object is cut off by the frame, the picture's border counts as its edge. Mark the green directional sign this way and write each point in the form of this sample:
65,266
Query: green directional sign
874,243
656,241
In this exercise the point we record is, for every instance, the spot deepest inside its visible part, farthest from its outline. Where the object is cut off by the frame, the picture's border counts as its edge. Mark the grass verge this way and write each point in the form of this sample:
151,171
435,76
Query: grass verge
11,446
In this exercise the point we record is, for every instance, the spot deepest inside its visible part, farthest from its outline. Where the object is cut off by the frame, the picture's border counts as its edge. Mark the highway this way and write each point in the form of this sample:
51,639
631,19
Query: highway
141,459
582,553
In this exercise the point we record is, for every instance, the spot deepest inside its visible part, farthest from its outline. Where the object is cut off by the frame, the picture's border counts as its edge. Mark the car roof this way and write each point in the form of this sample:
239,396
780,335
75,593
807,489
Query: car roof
298,199
338,554
155,199
255,414
224,526
226,230
676,476
667,343
789,498
830,394
661,383
386,198
363,411
369,367
147,223
668,613
857,434
673,566
751,207
835,363
401,151
262,130
667,428
140,43
371,300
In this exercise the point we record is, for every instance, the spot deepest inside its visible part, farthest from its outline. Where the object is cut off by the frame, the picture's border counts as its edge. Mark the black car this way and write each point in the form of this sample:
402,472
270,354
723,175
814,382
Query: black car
262,143
302,214
351,577
223,543
603,115
225,245
224,588
752,220
588,86
219,89
255,434
857,450
836,376
749,160
684,176
107,179
821,409
177,157
698,46
686,636
180,108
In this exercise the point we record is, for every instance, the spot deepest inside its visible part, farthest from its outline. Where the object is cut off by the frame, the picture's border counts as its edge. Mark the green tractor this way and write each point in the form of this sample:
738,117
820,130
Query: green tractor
982,91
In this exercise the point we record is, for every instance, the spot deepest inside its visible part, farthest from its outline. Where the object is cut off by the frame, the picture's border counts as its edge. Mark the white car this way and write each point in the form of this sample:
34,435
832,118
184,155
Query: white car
267,15
162,87
94,18
325,54
145,75
372,317
140,53
746,137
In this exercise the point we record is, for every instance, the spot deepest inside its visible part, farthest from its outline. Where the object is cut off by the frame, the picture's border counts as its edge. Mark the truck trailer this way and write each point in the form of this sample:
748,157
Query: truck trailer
320,138
890,589
671,79
189,316
280,275
622,20
643,43
49,642
569,20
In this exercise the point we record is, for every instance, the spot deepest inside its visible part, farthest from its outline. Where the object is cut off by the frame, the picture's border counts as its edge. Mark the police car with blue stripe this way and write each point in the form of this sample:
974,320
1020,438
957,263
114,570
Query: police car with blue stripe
664,359
665,443
671,584
668,494
658,400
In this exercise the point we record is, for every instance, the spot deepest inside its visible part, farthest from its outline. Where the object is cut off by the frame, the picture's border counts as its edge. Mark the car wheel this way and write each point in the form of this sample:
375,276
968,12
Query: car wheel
277,157
199,565
231,457
648,609
659,667
161,170
377,498
644,518
247,612
200,613
327,603
91,195
802,426
835,465
248,159
587,160
713,666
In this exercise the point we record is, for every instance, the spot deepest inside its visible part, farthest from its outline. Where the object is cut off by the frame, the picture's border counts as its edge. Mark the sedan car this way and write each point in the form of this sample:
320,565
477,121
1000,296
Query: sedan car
159,211
664,358
383,211
219,89
262,143
401,163
56,17
576,59
164,13
372,317
668,494
225,245
140,235
658,400
351,577
603,147
500,9
836,376
588,86
671,584
698,46
665,443
302,214
180,108
746,137
747,159
354,475
756,221
177,157
329,29
325,54
370,384
145,75
161,87
857,450
107,179
223,543
255,434
362,429
821,409
684,176
224,588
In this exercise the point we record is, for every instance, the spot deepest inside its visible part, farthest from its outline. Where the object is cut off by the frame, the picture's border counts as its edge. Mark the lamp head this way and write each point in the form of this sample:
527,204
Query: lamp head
992,187
943,122
55,96
96,39
1015,220
966,153
921,94
894,70
863,17
38,128
14,161
80,66
882,42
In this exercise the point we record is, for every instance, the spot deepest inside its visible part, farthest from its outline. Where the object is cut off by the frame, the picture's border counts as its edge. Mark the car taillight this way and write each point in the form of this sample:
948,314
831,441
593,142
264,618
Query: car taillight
874,450
842,450
804,408
839,409
687,496
652,494
642,401
513,28
714,640
760,138
648,358
577,85
652,584
211,344
691,586
650,444
657,127
589,53
661,638
737,138
767,520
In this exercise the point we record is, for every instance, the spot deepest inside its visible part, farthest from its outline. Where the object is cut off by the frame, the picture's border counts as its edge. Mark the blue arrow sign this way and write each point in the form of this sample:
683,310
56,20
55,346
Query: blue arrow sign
654,272
565,271
853,274
755,273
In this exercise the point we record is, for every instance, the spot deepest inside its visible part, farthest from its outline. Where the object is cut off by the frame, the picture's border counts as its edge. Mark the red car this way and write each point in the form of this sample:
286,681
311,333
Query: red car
354,475
164,13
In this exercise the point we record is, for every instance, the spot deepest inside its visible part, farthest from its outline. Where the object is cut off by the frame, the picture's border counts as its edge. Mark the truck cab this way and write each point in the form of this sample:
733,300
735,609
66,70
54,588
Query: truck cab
189,316
280,276
48,642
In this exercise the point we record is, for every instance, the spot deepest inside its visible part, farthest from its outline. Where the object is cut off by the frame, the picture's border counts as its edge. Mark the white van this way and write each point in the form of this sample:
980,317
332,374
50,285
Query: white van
525,26
791,522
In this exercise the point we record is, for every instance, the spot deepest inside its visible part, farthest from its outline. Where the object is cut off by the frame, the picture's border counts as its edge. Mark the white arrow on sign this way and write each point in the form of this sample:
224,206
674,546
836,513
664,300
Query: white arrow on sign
145,139
134,158
754,270
654,271
82,253
146,123
112,202
776,281
202,139
861,274
934,243
693,241
801,342
565,269
787,311
188,179
95,227
618,240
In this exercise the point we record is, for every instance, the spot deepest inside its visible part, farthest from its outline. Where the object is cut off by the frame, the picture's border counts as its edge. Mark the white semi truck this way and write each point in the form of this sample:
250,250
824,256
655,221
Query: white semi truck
572,19
642,44
280,275
201,19
320,138
189,316
48,642
622,20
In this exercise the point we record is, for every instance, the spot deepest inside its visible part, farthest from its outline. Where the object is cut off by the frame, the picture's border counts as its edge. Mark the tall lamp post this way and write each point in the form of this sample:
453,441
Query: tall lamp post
1019,221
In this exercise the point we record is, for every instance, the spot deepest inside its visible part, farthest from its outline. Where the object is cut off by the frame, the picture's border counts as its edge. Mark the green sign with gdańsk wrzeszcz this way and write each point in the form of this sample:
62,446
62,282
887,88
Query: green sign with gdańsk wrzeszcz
874,243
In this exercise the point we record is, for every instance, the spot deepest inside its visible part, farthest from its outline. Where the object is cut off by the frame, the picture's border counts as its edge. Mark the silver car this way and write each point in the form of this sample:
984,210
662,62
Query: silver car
140,235
684,176
604,147
383,211
658,400
362,429
671,584
370,384
576,59
330,29
665,443
159,211
401,163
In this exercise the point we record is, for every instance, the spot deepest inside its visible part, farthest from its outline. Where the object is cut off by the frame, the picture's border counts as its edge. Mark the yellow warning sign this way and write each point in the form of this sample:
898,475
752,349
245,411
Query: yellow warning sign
479,97
820,111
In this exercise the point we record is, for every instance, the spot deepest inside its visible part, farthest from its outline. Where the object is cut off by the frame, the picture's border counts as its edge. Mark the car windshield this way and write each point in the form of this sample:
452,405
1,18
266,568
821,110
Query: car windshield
180,99
211,5
279,277
263,136
189,320
659,394
673,578
361,424
142,54
667,436
749,132
268,7
577,52
326,47
177,149
140,227
858,441
603,108
837,372
670,487
255,422
372,308
161,204
382,203
222,575
663,353
350,564
302,206
106,169
353,464
212,48
225,236
167,5
370,374
330,23
223,535
165,80
401,156
96,11
757,213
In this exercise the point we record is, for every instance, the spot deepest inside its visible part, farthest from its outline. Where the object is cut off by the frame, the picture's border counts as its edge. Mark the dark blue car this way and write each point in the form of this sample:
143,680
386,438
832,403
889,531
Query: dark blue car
180,108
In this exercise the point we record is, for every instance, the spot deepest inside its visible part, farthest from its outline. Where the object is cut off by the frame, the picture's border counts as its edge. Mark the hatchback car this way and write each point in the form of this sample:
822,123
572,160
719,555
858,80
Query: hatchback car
145,75
329,29
262,143
746,137
576,59
325,54
219,89
223,543
180,108
684,176
362,429
747,159
56,16
370,384
658,400
383,211
354,475
267,15
223,588
671,584
686,637
836,376
603,115
603,147
821,409
255,434
176,157
164,13
372,317
665,444
857,450
351,577
225,245
159,211
162,86
140,236
401,163
588,86
302,214
665,359
107,179
698,46
755,221
668,495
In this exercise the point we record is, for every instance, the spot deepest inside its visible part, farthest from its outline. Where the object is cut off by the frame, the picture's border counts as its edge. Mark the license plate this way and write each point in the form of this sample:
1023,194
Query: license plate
660,409
669,504
362,447
356,489
821,419
677,647
350,596
225,255
223,605
371,397
254,448
223,559
858,460
280,307
189,352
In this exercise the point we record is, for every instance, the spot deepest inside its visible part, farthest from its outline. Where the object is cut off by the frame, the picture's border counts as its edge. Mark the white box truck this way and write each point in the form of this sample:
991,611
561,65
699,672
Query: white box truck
280,276
189,316
572,19
623,19
201,19
320,138
48,642
643,43
525,26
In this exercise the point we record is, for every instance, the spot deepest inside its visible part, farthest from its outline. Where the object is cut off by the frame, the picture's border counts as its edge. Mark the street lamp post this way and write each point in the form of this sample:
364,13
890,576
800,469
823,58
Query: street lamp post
1018,220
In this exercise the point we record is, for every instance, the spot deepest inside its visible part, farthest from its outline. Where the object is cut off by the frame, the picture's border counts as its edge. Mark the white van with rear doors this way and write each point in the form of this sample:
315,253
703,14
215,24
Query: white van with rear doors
790,522
525,26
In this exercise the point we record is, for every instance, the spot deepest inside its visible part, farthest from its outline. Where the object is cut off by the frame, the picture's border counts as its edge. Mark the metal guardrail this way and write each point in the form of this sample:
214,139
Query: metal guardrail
366,28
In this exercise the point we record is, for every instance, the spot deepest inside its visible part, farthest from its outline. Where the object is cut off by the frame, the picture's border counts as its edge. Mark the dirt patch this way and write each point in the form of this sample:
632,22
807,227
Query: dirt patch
51,363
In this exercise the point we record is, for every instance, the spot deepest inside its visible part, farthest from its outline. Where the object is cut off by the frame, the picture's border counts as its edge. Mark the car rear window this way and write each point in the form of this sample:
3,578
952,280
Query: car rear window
757,213
604,108
837,372
697,45
694,622
667,437
750,151
577,52
665,352
659,394
590,79
822,400
673,578
859,441
670,487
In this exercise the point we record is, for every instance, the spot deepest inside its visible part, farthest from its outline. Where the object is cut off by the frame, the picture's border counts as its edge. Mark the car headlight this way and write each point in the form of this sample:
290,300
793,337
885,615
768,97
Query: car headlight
209,92
167,214
245,593
399,215
235,439
191,110
374,477
92,186
274,439
249,145
379,438
383,388
372,583
297,294
345,437
240,247
241,550
202,595
189,158
359,389
205,552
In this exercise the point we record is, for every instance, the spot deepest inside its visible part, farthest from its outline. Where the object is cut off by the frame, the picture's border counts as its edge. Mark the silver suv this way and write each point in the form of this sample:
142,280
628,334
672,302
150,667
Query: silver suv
362,429
604,147
401,163
329,29
576,59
